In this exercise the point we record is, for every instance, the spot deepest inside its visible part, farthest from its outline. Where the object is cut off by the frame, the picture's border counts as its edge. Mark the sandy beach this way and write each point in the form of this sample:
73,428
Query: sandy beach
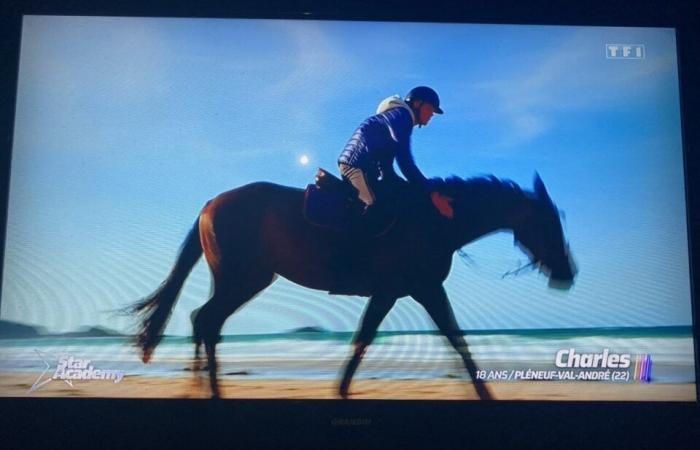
18,385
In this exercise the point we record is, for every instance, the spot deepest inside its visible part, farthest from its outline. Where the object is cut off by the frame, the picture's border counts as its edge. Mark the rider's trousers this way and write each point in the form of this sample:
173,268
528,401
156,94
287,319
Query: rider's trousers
358,179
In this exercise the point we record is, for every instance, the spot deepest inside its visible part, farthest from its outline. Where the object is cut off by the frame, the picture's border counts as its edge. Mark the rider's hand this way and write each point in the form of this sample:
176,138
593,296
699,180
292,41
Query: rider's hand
443,204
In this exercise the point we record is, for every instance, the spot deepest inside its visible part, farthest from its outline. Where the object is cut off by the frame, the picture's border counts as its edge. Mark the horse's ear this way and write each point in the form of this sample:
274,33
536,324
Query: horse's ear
540,190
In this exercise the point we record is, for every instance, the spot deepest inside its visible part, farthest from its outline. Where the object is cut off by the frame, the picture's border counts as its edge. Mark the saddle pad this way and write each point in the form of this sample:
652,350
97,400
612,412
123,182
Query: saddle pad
326,208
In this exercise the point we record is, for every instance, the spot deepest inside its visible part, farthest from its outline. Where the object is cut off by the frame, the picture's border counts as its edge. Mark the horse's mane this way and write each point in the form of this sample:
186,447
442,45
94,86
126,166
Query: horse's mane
487,186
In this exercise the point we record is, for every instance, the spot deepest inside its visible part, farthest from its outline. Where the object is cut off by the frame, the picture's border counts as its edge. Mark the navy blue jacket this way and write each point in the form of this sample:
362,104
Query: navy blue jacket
378,141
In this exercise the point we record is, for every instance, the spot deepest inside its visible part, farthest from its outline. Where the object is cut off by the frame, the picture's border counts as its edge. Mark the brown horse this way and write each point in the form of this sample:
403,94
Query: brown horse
252,233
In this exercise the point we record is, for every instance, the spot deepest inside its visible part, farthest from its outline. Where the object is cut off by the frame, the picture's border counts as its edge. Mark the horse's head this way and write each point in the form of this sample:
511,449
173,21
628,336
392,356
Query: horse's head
539,234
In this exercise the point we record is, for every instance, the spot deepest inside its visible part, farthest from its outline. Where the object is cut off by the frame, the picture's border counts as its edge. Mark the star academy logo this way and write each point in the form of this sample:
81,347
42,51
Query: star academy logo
69,369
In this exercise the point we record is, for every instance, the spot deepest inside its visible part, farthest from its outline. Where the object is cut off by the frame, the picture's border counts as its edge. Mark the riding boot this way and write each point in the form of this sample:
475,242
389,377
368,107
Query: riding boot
373,221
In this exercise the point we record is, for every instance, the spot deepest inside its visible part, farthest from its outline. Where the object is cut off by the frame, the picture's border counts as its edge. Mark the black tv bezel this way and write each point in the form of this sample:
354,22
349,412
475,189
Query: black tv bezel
371,424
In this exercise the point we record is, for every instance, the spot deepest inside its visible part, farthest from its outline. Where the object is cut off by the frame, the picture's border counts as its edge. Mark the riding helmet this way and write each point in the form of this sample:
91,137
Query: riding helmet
425,94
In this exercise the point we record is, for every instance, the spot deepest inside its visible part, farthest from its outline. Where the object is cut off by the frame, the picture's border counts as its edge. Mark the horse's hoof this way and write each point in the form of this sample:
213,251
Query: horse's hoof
485,397
215,392
484,393
343,392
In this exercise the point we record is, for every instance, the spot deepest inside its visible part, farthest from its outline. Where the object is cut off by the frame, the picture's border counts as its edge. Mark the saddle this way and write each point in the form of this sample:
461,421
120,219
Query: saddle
333,203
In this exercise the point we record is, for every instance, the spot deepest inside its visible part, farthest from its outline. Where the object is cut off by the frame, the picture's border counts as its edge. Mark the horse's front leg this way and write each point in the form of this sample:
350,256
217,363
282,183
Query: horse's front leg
434,300
379,306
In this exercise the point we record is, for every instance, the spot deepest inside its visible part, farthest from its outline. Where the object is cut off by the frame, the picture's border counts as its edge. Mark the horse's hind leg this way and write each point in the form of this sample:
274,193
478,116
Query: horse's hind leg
226,300
379,306
197,364
438,306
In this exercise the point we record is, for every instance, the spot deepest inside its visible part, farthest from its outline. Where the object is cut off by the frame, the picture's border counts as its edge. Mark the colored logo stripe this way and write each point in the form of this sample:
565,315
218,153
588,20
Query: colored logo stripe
642,368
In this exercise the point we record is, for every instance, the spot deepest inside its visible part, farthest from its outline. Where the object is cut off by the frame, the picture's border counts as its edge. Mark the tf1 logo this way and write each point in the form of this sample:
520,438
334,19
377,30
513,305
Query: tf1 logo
624,51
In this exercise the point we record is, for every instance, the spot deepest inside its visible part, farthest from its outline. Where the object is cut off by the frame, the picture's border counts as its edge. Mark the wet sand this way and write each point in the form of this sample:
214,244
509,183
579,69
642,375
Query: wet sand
18,385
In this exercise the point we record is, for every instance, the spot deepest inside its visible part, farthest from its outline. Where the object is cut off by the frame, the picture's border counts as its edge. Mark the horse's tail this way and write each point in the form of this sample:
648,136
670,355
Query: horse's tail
158,306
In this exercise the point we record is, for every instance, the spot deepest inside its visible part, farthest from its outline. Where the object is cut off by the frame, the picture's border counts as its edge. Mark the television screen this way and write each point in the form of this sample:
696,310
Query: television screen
162,242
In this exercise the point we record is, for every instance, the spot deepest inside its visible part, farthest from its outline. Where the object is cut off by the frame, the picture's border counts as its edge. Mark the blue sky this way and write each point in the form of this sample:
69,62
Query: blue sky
125,127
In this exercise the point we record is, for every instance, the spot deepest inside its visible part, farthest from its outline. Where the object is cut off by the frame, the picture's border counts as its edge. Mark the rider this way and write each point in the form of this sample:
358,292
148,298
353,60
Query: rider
368,157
